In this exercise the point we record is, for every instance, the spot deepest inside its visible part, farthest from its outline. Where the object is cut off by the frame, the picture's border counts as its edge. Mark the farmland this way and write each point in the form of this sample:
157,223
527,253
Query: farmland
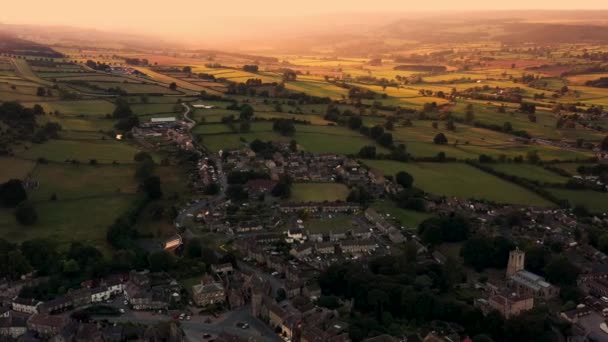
410,103
460,180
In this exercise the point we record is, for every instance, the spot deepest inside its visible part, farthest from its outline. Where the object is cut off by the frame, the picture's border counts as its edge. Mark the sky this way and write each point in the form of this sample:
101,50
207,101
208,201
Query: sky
201,18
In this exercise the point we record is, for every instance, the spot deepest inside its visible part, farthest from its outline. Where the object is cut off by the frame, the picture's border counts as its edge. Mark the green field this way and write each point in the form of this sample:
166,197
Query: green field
14,168
461,180
82,220
594,201
318,192
408,218
531,172
69,181
104,151
338,224
316,139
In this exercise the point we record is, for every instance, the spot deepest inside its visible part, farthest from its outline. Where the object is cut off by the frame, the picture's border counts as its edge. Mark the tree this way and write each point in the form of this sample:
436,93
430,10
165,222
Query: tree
12,193
152,187
246,112
449,125
448,228
244,127
194,249
141,156
355,122
604,144
145,169
561,271
26,214
532,157
386,139
368,152
173,86
376,131
160,261
122,109
285,127
440,139
404,179
469,113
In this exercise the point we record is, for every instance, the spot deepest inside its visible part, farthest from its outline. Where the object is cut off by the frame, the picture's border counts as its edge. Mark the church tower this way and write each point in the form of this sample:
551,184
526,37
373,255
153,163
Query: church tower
516,262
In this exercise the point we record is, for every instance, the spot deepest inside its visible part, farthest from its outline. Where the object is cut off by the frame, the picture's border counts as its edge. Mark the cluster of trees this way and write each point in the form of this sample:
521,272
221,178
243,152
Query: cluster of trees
125,116
137,61
446,228
250,68
19,120
14,195
284,127
97,65
391,291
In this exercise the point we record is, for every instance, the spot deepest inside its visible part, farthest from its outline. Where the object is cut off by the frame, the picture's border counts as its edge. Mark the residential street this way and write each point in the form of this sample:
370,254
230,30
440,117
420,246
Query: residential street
195,328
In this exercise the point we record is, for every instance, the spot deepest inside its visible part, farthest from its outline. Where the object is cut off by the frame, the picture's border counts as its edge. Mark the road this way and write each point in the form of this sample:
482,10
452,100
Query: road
195,328
275,283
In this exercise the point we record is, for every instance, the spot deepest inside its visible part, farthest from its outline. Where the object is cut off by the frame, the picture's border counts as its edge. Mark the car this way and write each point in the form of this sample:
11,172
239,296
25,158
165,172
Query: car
126,302
274,274
122,311
188,318
242,325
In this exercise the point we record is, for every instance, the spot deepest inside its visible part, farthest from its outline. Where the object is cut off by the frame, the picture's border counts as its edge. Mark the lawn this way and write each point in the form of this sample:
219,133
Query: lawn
594,201
338,224
104,151
318,192
14,168
531,172
408,218
461,180
70,181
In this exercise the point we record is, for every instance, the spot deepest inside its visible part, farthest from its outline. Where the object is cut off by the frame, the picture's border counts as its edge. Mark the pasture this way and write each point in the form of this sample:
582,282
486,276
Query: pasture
68,181
83,220
14,168
532,172
461,180
408,218
104,151
595,202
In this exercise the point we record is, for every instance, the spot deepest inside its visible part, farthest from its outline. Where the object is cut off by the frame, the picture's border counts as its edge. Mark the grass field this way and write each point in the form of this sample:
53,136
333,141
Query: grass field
85,107
14,168
318,192
316,139
82,220
531,172
338,224
409,219
69,181
461,180
83,151
594,201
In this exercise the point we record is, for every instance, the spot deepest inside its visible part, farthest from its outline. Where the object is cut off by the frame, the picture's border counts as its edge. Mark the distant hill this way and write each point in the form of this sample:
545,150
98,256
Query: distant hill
15,46
554,33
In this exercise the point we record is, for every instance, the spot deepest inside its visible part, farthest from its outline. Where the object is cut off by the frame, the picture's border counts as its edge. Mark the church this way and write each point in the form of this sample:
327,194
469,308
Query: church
527,283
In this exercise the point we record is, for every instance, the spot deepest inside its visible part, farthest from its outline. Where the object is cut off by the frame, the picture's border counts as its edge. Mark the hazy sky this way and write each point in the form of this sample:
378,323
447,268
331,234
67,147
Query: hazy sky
191,18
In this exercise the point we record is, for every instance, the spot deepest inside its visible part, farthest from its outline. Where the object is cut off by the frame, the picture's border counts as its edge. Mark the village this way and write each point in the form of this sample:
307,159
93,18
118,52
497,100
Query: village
281,247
